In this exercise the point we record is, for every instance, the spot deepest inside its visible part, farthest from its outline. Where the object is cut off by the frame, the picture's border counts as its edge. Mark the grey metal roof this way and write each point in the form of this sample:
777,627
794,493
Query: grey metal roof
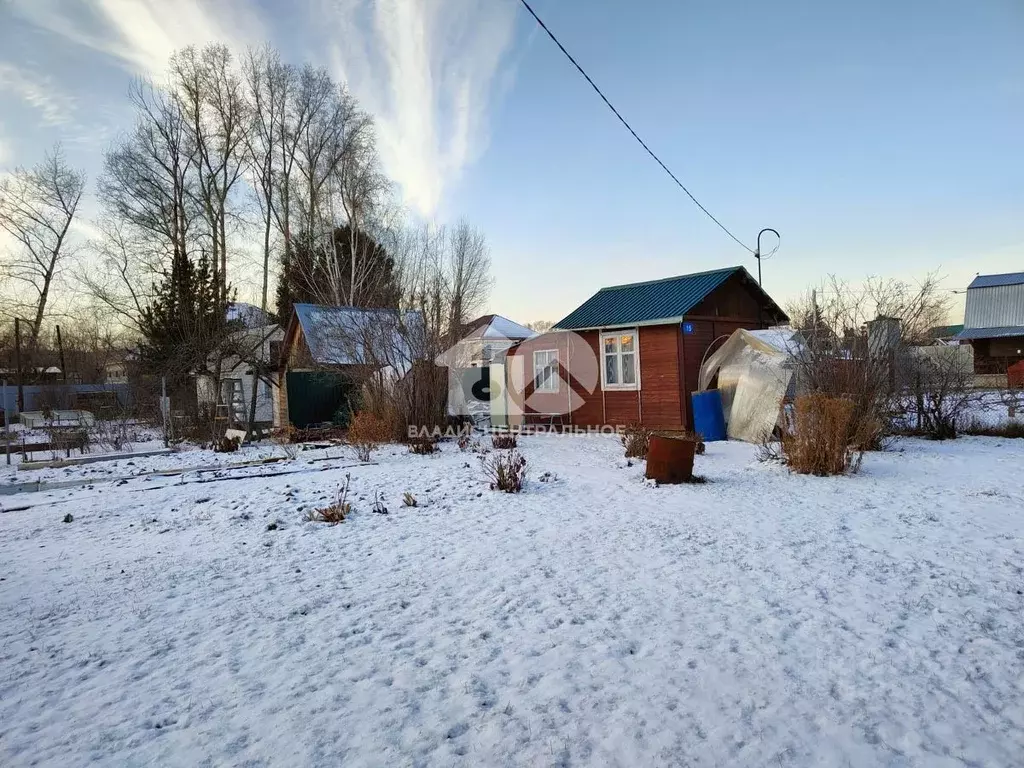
995,306
989,281
647,303
991,333
355,336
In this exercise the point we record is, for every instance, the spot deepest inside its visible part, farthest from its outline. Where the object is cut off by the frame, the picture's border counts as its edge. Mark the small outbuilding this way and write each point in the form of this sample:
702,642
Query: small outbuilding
327,351
994,323
632,354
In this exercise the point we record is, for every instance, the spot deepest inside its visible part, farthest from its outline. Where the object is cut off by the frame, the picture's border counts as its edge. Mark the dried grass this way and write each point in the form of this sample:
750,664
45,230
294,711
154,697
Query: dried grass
334,513
506,471
367,432
505,440
636,439
820,442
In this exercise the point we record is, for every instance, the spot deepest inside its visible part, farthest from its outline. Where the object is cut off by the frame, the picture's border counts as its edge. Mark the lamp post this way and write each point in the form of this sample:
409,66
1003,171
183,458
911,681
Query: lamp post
757,251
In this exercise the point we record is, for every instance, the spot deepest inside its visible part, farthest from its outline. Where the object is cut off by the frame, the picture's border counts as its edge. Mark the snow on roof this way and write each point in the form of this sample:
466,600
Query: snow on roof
782,338
249,315
497,327
355,336
503,328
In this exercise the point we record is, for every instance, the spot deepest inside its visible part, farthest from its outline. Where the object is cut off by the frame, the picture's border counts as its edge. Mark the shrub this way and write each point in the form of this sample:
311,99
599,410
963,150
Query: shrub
1012,429
819,443
506,472
465,442
226,445
423,446
635,440
366,433
336,512
505,440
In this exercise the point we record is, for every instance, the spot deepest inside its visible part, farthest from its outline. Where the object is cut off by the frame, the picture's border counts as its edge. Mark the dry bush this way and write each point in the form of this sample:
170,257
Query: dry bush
636,439
366,433
505,440
226,445
1012,429
465,442
819,444
337,511
505,471
423,446
859,346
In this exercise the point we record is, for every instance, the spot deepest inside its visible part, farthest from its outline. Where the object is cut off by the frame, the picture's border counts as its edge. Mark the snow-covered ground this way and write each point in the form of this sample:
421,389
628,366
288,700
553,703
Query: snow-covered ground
759,619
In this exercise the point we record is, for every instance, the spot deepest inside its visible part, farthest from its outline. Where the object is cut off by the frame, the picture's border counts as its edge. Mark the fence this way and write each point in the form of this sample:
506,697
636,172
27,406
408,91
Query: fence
64,396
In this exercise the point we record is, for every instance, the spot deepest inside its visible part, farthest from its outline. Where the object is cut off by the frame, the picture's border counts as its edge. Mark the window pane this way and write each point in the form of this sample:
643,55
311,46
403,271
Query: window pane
629,369
627,342
611,369
611,344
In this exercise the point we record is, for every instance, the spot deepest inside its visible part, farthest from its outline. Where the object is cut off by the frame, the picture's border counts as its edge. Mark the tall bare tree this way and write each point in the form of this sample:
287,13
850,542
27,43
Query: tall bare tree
148,179
37,208
210,95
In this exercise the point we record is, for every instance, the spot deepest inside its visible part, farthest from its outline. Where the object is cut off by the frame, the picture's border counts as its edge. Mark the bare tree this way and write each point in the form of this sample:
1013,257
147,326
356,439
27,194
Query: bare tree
210,97
37,208
148,181
861,347
119,277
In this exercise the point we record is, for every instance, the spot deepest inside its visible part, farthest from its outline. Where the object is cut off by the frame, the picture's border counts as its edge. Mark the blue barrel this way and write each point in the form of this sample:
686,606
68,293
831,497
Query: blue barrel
708,419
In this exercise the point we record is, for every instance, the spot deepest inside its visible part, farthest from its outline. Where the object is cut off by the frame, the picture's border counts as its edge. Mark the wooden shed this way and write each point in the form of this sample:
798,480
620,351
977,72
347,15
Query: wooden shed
647,340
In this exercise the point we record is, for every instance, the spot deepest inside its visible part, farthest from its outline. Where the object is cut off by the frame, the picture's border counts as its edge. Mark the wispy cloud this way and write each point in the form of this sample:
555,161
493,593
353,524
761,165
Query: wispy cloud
141,35
428,71
38,91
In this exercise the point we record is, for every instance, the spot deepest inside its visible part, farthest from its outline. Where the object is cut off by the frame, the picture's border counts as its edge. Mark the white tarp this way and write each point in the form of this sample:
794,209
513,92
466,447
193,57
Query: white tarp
755,370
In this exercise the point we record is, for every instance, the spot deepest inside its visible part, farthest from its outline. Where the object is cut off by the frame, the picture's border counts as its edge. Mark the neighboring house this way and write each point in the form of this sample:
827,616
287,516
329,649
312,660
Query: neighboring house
994,322
484,343
326,349
486,340
648,339
945,334
249,354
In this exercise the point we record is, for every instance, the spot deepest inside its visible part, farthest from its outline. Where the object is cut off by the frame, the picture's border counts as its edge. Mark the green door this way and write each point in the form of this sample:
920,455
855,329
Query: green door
316,397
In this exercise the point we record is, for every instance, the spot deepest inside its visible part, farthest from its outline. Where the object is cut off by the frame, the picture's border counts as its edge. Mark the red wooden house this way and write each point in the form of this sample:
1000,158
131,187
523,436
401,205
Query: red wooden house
632,353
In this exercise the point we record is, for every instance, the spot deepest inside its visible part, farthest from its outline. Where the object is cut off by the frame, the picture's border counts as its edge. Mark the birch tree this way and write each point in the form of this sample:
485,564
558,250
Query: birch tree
37,208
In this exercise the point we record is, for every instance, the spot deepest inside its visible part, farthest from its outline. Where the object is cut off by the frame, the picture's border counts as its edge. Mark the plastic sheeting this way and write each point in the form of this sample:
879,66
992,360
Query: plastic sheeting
755,372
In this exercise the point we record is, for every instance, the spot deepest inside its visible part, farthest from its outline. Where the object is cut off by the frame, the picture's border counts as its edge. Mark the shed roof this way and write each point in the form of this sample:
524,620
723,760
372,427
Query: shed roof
496,327
356,336
650,303
991,333
990,281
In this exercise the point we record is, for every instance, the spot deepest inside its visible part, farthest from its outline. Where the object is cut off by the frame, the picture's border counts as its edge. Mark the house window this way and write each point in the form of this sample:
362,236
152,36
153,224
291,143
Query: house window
545,370
620,367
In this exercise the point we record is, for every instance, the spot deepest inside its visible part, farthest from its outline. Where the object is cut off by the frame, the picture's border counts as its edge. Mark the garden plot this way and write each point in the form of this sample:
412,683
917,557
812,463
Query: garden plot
761,618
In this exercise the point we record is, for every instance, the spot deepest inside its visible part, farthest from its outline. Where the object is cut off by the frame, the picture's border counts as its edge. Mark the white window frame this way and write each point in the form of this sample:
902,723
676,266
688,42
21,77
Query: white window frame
618,357
553,385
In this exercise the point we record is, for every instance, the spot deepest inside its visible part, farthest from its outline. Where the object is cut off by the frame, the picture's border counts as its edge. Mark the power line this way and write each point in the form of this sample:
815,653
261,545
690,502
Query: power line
630,128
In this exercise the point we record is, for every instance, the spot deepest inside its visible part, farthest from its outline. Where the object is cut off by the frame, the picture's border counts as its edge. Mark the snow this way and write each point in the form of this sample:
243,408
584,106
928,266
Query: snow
503,328
762,618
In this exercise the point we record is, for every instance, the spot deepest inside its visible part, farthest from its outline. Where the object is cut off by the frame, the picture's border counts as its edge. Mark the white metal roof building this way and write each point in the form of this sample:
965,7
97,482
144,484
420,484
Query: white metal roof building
994,321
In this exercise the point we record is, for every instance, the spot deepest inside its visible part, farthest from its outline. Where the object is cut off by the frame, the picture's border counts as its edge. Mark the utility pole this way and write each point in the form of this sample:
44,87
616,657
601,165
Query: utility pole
60,348
757,251
757,255
17,364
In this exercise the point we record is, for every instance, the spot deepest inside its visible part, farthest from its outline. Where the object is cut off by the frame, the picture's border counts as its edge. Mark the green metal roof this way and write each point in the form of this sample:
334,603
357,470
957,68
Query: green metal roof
945,331
665,300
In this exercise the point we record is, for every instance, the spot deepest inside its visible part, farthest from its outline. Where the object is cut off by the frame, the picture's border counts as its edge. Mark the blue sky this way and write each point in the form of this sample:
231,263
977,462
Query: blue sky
882,138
